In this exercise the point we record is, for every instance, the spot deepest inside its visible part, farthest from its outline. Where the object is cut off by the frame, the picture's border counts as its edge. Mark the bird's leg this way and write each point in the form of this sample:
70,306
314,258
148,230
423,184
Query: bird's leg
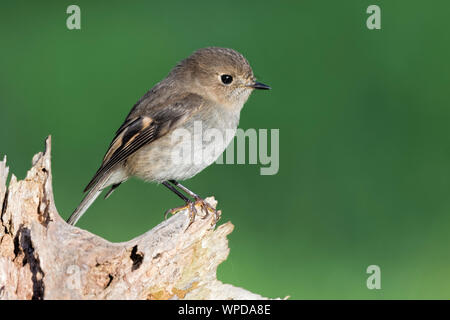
206,207
189,204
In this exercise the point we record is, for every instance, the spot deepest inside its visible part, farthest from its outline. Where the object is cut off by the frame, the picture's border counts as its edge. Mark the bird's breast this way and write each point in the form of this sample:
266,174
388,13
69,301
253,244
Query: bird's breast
187,148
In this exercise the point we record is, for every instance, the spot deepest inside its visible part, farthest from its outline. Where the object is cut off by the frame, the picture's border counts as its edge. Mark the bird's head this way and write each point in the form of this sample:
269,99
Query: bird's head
222,75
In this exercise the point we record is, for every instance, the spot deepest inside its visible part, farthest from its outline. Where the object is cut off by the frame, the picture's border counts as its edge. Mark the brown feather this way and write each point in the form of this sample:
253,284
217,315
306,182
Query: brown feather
143,129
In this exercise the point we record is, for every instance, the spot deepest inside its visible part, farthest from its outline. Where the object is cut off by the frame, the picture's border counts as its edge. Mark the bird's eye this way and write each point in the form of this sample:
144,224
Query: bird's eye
226,78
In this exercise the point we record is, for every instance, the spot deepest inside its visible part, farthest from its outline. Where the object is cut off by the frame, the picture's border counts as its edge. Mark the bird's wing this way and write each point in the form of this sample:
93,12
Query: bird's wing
140,130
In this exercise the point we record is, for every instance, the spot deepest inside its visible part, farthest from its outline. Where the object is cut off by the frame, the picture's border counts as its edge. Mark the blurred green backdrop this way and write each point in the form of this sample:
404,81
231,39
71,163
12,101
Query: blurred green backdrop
364,131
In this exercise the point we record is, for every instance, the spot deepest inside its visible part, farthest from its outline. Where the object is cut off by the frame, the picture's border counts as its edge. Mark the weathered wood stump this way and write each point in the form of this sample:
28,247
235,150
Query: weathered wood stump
43,257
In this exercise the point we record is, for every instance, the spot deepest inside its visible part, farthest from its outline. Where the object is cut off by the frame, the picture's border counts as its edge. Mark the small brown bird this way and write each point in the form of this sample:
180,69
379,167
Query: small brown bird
209,87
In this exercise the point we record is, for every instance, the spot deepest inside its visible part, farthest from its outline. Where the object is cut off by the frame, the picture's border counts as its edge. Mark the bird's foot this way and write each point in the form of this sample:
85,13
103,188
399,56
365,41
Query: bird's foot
191,206
207,208
191,209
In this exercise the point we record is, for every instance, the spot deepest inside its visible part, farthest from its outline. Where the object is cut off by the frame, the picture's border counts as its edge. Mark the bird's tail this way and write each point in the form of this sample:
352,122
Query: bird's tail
84,205
90,197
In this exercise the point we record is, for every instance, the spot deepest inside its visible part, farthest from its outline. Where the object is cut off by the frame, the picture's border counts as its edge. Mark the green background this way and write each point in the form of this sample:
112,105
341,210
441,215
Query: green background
364,131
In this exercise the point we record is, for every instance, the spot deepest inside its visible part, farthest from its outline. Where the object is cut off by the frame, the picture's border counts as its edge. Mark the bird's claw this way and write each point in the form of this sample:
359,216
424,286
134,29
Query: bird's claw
207,208
175,210
204,206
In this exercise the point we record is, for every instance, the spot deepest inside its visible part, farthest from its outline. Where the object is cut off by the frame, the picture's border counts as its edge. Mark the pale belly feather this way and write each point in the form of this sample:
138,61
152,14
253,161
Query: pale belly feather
183,154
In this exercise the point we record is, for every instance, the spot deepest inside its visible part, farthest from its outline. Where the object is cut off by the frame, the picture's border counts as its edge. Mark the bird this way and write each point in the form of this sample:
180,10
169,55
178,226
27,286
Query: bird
209,87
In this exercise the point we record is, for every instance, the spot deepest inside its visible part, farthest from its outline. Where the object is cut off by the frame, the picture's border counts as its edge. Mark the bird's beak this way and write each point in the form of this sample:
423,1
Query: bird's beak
259,85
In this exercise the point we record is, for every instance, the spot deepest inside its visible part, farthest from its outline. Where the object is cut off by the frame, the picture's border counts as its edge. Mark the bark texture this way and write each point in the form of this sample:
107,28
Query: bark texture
42,257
